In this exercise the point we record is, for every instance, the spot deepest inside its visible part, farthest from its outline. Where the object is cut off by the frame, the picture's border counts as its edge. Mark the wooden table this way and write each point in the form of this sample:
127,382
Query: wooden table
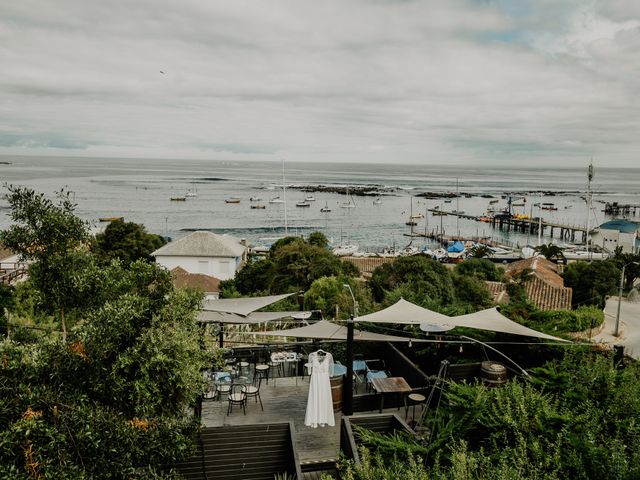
390,385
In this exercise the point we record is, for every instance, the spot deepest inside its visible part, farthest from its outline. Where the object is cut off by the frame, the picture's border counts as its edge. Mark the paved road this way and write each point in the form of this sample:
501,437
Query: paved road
629,328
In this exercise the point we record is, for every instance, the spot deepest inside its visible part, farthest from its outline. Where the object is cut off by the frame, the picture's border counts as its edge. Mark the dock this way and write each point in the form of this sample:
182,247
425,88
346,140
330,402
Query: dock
528,225
625,210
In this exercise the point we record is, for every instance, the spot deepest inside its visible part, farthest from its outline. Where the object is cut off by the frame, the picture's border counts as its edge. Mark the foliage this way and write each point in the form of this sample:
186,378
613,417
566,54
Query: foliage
480,251
480,268
327,293
632,269
576,418
428,279
472,291
113,400
292,264
127,242
591,282
550,251
50,235
318,239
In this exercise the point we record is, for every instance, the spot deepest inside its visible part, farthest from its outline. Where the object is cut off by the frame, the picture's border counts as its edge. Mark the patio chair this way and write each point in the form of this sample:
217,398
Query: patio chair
253,391
374,374
237,397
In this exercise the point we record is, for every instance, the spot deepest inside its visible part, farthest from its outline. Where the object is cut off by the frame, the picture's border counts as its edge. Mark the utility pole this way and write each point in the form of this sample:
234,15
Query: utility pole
347,404
616,331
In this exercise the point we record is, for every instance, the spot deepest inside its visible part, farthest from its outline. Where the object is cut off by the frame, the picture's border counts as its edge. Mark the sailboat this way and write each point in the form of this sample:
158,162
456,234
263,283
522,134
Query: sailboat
457,210
377,201
326,208
349,203
191,193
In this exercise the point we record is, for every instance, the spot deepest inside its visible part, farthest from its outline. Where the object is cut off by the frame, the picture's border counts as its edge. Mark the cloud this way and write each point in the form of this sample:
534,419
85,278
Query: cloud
364,81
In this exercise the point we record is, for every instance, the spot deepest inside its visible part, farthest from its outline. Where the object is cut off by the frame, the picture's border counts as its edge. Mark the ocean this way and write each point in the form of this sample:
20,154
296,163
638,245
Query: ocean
140,190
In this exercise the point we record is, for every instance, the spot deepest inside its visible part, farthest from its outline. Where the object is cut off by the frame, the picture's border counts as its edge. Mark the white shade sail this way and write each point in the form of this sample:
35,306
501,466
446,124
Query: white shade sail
490,319
252,318
405,312
325,330
242,306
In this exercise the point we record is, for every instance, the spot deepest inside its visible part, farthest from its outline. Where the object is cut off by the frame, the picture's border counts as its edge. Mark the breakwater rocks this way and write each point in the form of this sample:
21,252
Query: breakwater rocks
355,190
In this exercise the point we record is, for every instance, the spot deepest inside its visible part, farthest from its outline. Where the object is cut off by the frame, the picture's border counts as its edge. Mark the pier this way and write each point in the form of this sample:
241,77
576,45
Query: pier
616,209
528,225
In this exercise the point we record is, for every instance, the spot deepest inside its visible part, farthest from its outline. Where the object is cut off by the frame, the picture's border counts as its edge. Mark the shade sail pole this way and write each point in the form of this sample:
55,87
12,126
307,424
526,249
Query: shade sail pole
347,406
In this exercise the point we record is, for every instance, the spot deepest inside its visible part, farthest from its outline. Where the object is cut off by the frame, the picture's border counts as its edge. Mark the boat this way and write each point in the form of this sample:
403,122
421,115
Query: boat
178,199
276,200
377,201
349,203
491,202
346,250
256,199
438,213
448,200
309,198
411,223
258,206
517,204
111,219
303,204
550,208
190,194
326,208
232,200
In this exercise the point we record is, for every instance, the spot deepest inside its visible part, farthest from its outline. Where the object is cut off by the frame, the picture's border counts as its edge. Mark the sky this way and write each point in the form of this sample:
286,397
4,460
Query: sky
495,82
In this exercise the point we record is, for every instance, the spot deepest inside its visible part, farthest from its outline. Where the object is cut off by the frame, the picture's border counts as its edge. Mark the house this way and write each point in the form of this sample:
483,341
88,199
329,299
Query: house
540,280
617,233
209,285
208,253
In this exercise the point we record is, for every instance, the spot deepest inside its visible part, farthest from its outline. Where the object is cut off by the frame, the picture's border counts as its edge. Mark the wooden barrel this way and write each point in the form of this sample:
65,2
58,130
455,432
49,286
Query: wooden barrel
336,392
494,374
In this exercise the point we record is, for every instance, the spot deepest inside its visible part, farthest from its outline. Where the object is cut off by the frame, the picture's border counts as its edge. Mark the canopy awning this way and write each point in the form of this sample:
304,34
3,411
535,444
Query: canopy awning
325,330
241,306
405,312
490,319
252,318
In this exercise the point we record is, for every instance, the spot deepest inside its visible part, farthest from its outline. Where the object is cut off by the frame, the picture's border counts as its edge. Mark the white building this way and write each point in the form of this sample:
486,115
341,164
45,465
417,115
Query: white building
208,253
617,233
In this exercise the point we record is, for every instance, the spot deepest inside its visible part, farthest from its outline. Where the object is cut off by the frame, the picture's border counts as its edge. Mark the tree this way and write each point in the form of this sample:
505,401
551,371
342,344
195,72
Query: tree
550,251
52,237
318,239
480,251
471,290
480,268
327,293
127,241
591,282
428,278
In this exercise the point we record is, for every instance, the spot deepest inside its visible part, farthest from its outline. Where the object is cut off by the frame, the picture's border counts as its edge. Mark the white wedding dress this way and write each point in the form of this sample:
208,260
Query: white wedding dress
319,402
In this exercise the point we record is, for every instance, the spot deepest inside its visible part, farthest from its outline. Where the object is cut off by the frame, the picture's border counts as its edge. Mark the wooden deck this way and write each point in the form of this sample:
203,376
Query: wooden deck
284,399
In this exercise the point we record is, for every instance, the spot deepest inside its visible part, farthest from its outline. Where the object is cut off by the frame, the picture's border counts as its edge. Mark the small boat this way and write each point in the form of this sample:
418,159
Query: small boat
276,200
349,203
303,204
447,201
232,200
345,250
255,199
178,199
550,208
309,198
491,202
377,201
438,213
326,208
110,219
258,206
411,223
190,194
517,204
458,212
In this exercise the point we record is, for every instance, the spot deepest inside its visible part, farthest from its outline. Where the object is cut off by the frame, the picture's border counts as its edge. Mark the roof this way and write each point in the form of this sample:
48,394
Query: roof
498,291
202,244
544,287
199,281
621,225
241,306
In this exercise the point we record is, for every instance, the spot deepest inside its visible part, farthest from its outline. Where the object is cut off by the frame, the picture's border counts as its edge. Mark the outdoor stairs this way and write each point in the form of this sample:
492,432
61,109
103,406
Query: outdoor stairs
316,469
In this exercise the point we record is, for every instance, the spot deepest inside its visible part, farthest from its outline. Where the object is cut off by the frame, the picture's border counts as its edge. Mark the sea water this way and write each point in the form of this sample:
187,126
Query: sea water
140,190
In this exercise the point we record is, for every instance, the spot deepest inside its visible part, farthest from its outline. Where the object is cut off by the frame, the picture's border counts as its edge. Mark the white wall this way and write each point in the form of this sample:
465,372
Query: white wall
219,267
610,239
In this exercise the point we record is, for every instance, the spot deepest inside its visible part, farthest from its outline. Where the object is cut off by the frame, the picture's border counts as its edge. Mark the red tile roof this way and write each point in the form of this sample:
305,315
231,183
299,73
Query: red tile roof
198,281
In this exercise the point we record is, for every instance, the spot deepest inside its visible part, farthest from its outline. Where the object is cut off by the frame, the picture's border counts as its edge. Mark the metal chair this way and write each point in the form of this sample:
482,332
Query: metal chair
261,371
237,397
253,391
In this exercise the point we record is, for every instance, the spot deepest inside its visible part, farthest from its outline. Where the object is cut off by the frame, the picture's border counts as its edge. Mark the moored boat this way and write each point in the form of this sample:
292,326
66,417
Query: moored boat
178,199
232,200
303,204
258,206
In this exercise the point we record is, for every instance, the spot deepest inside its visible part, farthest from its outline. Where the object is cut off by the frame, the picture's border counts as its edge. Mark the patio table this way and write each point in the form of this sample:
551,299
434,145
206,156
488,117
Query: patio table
396,385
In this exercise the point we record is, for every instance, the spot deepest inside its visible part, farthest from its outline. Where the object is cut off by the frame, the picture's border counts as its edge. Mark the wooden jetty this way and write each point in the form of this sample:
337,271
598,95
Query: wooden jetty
619,209
528,225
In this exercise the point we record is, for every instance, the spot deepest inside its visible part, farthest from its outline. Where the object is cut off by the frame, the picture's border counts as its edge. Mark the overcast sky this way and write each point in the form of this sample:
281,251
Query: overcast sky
429,82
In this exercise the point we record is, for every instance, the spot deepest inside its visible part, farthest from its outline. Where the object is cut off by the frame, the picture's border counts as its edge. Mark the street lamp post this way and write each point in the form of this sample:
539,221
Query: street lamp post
616,332
347,404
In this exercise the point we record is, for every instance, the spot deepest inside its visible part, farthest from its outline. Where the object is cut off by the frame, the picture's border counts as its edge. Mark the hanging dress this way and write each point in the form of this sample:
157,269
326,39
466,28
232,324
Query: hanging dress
319,402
